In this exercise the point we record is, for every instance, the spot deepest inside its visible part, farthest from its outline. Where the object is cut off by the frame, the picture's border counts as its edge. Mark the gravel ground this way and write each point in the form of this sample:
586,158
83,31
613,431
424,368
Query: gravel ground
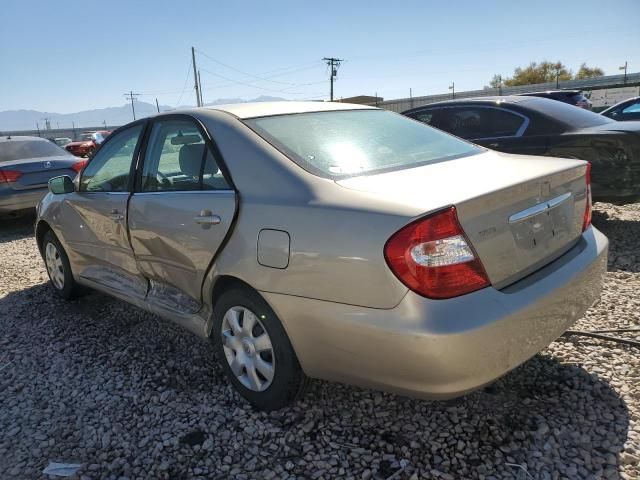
103,384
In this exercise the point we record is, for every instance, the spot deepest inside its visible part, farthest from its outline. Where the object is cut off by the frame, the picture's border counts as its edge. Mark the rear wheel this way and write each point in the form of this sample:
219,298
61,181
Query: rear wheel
59,268
254,350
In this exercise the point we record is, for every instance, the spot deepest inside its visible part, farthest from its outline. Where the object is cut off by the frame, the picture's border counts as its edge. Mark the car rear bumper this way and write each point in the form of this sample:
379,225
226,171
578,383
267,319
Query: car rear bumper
14,200
445,348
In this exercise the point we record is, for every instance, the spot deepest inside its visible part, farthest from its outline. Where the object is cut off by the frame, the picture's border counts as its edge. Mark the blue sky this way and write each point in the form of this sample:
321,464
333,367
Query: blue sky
66,56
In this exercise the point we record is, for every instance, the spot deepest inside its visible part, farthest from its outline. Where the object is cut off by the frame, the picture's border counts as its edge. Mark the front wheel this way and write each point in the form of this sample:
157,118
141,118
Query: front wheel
58,267
255,352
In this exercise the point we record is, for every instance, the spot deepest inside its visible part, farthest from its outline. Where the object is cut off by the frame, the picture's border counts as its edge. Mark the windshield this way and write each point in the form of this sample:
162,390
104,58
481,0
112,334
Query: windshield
346,143
569,115
19,149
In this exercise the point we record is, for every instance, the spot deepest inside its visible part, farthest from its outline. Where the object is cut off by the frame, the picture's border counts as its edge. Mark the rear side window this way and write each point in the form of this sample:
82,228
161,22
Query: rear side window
633,108
337,144
178,159
474,122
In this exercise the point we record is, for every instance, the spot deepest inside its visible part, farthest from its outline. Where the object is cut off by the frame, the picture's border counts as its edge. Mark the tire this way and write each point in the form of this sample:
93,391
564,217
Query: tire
249,352
59,268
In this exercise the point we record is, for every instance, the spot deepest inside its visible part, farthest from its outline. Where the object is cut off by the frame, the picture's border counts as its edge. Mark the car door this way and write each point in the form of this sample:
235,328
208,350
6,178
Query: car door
94,223
180,213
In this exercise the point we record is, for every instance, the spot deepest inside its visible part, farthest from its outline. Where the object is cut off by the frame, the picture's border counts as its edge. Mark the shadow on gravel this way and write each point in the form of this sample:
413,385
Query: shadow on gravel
624,238
541,410
109,363
16,227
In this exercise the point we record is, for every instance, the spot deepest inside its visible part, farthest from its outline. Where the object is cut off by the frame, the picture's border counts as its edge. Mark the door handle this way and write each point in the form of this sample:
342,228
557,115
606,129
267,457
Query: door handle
207,218
116,216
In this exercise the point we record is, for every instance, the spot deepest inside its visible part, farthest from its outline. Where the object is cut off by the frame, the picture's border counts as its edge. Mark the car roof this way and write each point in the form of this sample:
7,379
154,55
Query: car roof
265,109
479,101
22,138
552,92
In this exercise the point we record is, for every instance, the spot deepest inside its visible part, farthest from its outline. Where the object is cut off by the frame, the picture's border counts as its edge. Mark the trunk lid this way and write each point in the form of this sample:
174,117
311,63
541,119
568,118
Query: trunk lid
36,172
519,212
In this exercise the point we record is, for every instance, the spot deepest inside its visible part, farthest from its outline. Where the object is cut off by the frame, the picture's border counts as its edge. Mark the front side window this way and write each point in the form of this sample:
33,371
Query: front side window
109,169
424,116
178,159
345,143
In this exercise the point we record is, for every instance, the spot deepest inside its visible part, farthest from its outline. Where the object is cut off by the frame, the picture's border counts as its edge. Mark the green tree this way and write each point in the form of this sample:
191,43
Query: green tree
496,81
542,72
587,72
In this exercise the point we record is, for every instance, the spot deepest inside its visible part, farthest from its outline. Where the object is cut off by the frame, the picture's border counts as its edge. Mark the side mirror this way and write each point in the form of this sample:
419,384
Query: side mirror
62,184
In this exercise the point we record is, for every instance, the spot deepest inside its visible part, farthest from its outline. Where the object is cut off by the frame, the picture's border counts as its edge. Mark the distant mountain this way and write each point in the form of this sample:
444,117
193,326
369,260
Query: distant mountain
12,120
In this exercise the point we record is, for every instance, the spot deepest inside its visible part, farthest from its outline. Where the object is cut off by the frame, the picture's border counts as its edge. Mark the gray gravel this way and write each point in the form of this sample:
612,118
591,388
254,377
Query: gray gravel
127,395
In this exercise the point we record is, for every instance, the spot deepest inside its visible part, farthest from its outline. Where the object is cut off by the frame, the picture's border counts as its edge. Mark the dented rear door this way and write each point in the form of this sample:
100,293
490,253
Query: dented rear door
180,214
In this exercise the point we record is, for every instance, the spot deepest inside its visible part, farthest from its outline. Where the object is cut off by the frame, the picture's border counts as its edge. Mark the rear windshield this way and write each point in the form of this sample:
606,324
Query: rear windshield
570,115
19,149
355,142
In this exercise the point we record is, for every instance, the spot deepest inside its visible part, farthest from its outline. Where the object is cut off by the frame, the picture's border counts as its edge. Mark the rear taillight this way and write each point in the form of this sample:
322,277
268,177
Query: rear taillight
433,257
78,166
587,209
8,176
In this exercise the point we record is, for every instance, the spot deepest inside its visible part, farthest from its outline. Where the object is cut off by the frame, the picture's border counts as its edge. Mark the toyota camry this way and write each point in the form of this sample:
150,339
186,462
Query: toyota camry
332,241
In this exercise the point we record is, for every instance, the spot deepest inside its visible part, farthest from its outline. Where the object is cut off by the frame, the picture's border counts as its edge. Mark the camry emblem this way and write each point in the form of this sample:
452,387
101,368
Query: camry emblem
47,164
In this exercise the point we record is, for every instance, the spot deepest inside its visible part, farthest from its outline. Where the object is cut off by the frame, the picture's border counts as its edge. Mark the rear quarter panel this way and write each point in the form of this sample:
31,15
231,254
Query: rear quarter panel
337,235
614,157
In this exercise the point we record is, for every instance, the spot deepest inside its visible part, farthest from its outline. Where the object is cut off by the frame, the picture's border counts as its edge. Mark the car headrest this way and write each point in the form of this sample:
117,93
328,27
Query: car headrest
190,158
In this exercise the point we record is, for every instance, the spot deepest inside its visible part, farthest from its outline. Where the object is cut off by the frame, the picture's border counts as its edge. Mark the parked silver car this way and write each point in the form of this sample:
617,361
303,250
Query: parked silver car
331,241
26,165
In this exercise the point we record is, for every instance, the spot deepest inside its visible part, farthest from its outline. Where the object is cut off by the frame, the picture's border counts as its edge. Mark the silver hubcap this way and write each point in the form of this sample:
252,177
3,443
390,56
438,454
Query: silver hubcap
54,266
248,349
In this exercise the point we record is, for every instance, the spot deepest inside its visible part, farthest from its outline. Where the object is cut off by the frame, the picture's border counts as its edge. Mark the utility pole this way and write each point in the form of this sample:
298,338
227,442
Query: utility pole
452,87
624,67
200,88
38,127
132,96
195,75
157,106
410,97
333,64
104,122
499,84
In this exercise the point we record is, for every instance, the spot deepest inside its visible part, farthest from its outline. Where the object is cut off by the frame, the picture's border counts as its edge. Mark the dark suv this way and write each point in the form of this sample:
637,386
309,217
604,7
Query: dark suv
572,97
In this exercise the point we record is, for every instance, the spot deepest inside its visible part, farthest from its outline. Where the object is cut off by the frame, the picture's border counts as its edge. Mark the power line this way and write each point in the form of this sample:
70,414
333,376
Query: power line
333,64
251,85
132,96
265,79
184,87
